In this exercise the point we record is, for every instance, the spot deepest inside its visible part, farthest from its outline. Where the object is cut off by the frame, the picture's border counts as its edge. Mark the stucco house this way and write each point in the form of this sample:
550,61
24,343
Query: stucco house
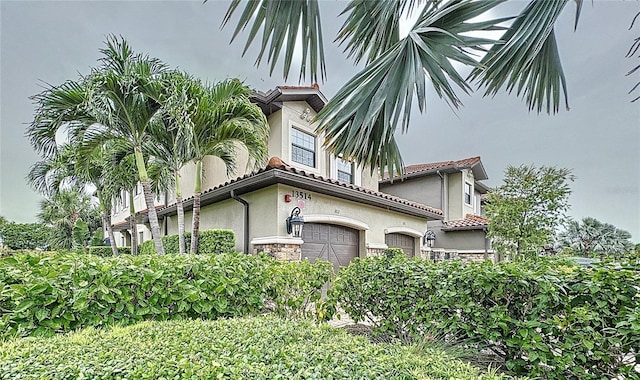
345,214
454,187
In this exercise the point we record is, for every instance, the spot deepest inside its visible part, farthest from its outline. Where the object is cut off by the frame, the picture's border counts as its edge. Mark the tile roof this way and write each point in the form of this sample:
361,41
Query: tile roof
470,222
416,170
276,164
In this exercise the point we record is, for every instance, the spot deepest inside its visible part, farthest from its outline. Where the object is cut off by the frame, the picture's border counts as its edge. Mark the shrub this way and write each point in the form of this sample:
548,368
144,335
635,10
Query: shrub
106,251
41,294
393,252
294,286
25,236
247,348
147,248
212,242
548,318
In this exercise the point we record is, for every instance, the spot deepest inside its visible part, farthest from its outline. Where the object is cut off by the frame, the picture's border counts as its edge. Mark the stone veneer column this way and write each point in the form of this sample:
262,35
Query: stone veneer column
280,251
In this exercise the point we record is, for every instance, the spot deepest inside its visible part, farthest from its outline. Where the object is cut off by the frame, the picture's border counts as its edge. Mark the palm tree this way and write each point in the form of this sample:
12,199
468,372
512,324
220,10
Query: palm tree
170,144
219,121
360,120
73,217
592,236
116,101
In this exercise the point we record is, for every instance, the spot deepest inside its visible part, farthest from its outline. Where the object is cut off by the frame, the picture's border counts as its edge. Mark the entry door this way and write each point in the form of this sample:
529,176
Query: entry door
336,244
406,242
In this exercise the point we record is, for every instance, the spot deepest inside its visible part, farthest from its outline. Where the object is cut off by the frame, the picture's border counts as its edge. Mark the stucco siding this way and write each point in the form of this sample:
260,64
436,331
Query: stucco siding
456,195
425,190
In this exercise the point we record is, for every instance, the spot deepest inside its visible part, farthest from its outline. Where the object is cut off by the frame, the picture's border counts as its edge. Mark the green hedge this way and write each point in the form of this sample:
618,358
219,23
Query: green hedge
105,251
25,235
41,294
212,242
548,319
247,348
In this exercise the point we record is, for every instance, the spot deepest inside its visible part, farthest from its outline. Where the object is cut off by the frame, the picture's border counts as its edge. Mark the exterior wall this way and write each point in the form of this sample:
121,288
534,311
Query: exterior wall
477,204
455,197
462,240
426,190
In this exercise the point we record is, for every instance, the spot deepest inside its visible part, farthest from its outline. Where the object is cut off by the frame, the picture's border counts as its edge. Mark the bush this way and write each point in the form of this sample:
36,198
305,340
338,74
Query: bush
549,319
25,236
212,242
294,286
247,348
106,251
393,252
41,294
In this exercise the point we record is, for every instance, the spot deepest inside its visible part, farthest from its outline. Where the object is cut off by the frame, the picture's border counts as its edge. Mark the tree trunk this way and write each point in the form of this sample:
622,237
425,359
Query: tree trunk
133,224
148,198
182,244
106,219
153,217
195,231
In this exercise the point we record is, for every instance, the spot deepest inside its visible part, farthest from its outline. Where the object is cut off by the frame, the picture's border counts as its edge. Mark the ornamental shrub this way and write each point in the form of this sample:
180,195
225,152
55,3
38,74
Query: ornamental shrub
106,251
242,348
43,294
212,242
293,287
547,319
25,236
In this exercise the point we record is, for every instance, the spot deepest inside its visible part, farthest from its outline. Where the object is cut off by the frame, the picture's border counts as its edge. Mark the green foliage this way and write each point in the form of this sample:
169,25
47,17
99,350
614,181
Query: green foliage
42,294
548,319
106,251
212,242
97,238
592,237
393,252
147,248
526,210
25,236
293,287
241,348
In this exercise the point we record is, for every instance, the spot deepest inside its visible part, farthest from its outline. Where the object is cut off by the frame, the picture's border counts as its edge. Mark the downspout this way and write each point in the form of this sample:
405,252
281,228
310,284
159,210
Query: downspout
442,196
486,244
246,220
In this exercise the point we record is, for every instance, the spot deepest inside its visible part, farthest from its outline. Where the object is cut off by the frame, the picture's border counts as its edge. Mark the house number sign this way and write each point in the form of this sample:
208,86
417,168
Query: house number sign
301,195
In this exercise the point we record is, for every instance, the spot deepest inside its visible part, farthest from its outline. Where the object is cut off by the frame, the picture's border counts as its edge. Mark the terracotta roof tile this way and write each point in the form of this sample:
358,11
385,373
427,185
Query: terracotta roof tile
414,169
470,221
275,163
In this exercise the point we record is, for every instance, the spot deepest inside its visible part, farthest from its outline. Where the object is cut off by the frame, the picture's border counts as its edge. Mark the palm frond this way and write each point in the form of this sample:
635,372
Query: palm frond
528,60
632,51
361,119
282,23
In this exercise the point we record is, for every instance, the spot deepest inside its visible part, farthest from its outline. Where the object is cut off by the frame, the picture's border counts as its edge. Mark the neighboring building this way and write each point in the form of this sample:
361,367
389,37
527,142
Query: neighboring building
345,215
455,188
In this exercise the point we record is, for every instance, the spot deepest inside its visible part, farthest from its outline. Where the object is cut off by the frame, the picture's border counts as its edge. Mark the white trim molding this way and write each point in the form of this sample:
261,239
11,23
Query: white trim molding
377,246
276,240
336,219
403,230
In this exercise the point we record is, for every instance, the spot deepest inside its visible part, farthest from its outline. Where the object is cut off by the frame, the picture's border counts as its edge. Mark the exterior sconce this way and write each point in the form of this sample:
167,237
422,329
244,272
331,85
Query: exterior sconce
294,223
429,238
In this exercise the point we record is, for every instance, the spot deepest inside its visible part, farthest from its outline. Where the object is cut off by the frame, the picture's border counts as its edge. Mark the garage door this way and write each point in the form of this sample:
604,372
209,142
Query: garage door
336,244
406,242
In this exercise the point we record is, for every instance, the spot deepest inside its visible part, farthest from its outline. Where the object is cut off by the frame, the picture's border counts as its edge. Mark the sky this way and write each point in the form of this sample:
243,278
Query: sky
598,138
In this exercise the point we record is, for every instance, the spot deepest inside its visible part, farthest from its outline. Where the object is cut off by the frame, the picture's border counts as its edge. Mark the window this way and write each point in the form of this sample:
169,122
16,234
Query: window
467,193
140,237
303,148
345,170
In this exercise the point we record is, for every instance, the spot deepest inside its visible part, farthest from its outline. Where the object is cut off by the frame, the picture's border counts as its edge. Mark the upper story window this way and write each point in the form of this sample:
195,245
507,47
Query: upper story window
303,148
467,193
345,170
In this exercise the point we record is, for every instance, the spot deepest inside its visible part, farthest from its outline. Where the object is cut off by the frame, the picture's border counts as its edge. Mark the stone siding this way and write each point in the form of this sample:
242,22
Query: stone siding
284,252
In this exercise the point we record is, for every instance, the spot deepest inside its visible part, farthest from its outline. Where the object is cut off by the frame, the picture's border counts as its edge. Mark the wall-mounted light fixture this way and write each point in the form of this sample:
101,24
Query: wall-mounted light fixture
306,115
294,223
429,238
